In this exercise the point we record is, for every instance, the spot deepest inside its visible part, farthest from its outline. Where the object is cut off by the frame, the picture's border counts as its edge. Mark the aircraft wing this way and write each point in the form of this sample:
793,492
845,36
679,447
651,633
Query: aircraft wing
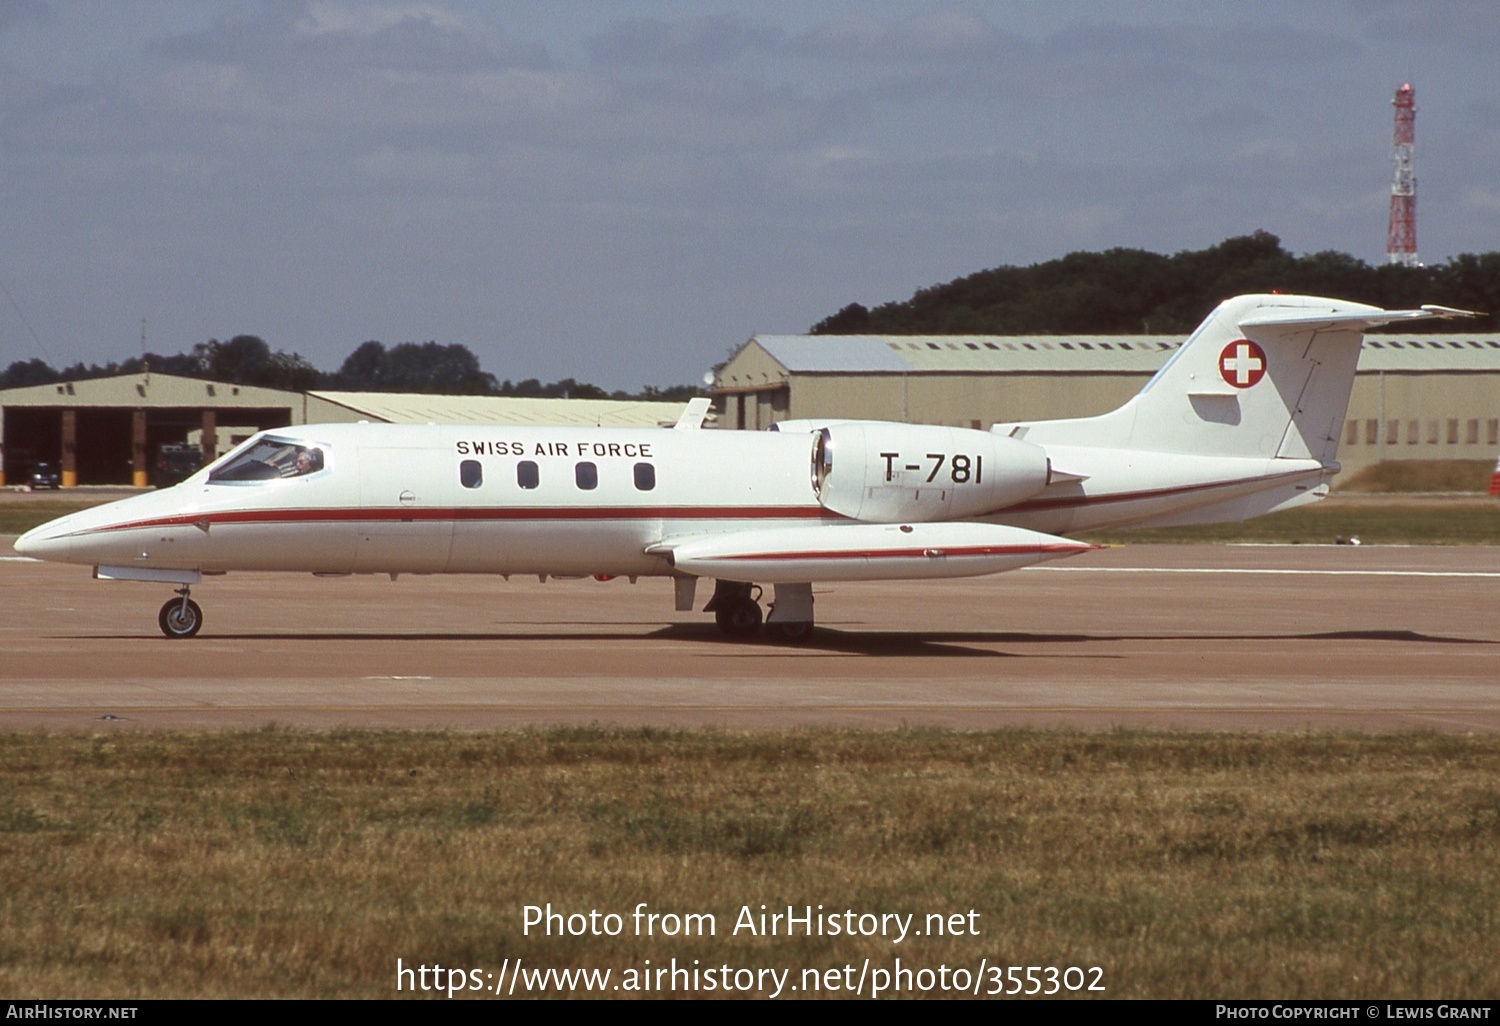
864,552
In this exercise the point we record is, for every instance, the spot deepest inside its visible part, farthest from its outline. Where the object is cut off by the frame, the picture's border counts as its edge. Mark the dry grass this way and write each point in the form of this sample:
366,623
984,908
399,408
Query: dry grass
277,863
1374,523
20,513
1395,476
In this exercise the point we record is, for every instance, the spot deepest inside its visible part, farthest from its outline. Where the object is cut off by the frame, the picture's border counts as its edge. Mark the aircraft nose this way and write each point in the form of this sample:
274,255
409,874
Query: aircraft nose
42,543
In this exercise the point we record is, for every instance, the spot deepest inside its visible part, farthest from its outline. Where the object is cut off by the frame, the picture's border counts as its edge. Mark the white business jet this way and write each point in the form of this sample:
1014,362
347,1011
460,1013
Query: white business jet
1244,419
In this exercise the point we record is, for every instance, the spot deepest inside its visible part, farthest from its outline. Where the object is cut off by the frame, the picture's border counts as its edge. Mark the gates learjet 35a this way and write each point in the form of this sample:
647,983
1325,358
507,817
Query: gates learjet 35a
1244,419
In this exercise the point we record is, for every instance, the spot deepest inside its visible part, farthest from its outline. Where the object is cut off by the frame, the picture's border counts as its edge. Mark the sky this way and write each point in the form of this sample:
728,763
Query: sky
623,191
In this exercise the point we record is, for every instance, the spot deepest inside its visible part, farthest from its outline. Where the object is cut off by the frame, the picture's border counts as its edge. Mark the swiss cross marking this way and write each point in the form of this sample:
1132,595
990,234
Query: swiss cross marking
1242,363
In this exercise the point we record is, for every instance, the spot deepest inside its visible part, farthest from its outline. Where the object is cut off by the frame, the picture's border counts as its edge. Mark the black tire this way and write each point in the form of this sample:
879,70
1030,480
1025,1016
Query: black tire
791,633
739,618
179,622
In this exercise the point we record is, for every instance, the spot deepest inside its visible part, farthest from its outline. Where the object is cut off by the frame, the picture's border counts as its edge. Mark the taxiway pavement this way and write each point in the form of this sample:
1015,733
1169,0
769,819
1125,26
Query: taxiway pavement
1171,637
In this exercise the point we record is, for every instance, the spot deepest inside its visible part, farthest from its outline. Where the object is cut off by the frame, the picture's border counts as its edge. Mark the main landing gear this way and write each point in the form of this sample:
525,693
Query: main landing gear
736,609
180,617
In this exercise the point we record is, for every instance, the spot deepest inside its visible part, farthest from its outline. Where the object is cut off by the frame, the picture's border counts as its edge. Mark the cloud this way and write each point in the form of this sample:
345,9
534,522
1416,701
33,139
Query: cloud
305,37
1456,25
1483,198
326,171
1201,46
941,35
24,12
690,43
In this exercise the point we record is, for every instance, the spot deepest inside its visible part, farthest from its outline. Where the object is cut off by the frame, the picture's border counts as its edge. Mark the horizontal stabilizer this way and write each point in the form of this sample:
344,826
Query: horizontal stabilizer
1360,320
864,552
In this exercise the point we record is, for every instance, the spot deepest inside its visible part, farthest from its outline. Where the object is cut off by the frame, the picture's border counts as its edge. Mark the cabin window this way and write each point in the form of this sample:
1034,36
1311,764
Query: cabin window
645,476
526,474
269,459
470,474
587,476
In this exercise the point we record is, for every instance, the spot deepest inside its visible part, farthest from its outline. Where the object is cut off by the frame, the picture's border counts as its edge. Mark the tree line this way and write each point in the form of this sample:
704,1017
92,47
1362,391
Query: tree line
426,367
1116,292
1132,291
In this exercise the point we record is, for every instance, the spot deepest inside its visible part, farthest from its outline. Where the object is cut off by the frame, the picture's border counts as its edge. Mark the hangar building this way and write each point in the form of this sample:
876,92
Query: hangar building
1427,397
113,431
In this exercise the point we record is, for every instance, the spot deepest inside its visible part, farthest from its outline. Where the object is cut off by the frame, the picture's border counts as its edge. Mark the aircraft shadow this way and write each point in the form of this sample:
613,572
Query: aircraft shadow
952,643
826,639
885,643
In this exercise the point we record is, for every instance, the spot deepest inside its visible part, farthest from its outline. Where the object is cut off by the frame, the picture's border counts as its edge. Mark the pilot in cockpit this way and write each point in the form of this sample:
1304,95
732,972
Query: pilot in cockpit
267,460
308,461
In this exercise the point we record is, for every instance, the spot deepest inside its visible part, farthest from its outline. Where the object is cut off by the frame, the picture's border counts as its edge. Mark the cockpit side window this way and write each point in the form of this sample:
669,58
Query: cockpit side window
269,459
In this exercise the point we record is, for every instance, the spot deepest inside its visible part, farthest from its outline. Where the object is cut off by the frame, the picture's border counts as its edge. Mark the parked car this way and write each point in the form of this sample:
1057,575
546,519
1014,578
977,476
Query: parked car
176,463
44,475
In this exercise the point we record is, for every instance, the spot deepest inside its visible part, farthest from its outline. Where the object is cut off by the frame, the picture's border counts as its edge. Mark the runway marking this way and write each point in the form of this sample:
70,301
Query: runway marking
18,559
1248,570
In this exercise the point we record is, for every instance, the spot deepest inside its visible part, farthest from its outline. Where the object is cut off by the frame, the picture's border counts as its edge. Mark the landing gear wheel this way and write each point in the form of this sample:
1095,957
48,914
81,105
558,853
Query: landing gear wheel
180,618
792,633
738,618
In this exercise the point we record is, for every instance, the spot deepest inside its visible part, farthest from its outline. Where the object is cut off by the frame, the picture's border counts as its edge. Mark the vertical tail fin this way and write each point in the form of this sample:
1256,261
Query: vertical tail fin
1263,376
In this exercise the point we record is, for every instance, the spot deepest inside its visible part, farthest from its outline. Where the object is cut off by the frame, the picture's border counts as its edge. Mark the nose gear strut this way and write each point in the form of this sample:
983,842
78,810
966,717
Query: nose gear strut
180,618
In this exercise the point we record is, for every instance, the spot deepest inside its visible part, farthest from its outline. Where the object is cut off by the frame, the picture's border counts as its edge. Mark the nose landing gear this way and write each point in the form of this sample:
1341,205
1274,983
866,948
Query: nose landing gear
180,617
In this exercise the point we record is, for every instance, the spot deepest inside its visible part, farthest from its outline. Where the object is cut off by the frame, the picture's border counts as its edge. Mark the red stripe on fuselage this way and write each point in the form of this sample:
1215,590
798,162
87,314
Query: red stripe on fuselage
463,515
586,513
1071,501
930,552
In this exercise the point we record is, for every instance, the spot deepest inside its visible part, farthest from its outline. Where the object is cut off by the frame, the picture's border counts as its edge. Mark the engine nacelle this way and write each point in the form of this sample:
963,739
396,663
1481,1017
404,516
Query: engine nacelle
891,473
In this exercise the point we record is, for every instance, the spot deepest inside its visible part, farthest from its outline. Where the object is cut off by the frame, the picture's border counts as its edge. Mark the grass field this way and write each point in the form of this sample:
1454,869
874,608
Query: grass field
276,863
20,514
1419,476
1372,521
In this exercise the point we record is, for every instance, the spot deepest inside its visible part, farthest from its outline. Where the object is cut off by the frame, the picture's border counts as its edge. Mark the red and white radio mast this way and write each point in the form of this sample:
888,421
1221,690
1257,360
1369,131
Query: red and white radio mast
1401,236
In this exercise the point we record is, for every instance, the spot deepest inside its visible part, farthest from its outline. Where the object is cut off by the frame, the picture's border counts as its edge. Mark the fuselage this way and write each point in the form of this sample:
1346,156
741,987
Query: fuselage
437,499
384,498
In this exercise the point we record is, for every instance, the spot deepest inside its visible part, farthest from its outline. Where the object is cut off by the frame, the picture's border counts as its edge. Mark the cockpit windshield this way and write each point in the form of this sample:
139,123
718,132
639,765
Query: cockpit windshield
269,459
